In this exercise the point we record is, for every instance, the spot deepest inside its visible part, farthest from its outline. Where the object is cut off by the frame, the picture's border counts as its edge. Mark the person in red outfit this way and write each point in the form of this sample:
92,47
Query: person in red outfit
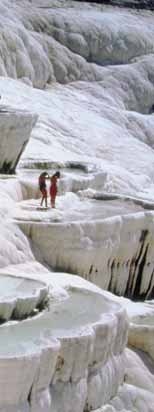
53,188
43,187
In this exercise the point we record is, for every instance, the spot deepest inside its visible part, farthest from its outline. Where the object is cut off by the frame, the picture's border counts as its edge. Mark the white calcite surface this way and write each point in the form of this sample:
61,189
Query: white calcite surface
15,129
90,247
115,252
61,354
94,355
87,72
56,139
130,398
67,390
20,297
102,116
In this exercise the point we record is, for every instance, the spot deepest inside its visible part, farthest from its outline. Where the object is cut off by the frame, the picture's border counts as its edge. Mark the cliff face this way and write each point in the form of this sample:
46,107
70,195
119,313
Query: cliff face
115,254
15,129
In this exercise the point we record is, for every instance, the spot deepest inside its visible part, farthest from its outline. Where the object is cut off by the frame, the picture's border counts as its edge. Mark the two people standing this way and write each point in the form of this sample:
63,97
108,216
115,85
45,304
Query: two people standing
52,190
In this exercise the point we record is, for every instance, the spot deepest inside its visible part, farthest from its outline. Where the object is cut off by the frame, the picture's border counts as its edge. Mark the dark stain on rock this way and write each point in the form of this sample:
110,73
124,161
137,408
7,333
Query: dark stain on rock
143,236
113,264
9,167
134,4
91,269
6,168
19,155
60,363
137,266
87,407
140,267
150,292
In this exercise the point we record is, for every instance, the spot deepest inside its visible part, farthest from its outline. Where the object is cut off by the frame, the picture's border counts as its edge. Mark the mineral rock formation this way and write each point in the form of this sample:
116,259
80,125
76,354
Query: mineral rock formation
114,253
58,358
15,129
88,72
20,297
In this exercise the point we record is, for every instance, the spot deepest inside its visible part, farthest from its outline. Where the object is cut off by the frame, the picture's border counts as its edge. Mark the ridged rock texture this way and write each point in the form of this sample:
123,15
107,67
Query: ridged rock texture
86,72
57,359
115,254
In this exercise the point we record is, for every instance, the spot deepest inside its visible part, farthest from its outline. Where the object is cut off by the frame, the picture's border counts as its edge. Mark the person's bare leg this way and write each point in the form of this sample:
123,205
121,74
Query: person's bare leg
42,200
46,203
53,203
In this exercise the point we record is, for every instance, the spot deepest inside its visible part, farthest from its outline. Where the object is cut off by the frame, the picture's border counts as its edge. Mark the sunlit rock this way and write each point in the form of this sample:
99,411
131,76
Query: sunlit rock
69,353
15,129
141,333
137,392
19,297
44,343
115,253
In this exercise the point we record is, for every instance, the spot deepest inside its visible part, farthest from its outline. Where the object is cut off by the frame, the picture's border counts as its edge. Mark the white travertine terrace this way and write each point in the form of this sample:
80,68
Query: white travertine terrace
15,129
71,356
77,342
115,252
107,242
19,297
